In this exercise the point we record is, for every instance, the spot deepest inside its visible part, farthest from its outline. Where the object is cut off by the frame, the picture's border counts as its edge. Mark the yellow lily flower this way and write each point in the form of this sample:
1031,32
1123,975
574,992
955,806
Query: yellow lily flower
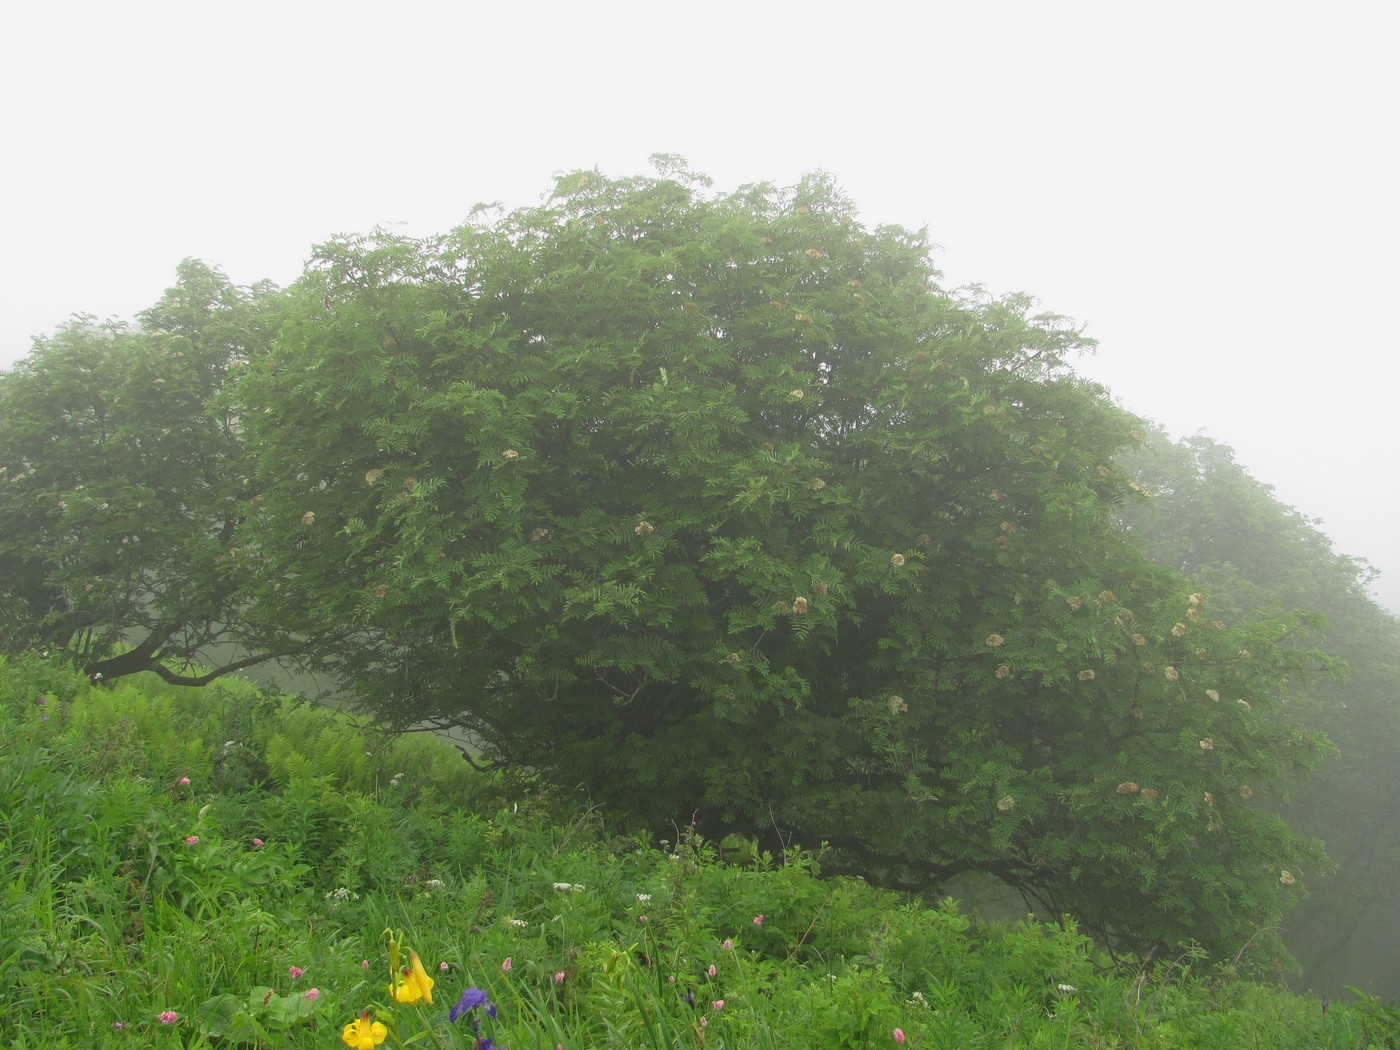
361,1034
415,983
425,983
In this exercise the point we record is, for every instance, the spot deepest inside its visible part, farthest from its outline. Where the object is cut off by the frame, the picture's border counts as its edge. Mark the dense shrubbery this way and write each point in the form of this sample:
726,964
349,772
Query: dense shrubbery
229,868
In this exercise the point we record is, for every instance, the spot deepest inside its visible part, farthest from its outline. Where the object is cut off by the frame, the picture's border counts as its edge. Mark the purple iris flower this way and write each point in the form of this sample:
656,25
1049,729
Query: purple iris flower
471,999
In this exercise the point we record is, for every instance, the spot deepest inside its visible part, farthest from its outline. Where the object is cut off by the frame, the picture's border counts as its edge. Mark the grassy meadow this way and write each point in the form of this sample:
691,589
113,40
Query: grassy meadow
223,868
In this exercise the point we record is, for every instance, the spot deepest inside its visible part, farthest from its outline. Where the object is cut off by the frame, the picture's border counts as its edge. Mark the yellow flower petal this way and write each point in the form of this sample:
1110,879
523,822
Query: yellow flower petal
420,975
362,1034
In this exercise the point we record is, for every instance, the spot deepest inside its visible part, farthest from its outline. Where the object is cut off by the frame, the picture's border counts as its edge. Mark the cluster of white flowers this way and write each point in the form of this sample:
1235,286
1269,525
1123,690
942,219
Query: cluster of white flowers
517,922
568,886
339,896
644,897
433,884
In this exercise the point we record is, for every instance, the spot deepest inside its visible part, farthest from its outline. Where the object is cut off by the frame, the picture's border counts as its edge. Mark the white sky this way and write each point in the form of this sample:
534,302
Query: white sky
1211,187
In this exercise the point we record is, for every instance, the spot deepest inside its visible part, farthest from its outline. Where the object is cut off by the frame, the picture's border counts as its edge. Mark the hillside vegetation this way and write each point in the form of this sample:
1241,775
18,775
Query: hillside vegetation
191,870
718,518
719,505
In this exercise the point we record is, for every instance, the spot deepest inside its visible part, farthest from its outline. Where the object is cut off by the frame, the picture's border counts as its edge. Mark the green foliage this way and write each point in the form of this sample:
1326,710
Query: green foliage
1258,558
721,504
253,1019
120,484
849,1013
1379,1019
609,943
716,507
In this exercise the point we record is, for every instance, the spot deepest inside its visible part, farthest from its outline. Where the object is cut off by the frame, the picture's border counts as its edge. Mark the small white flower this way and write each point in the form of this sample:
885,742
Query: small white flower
433,884
1066,988
517,922
644,897
568,886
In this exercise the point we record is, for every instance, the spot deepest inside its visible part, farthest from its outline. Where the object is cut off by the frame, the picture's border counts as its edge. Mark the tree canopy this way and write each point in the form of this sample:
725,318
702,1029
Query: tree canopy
722,505
121,485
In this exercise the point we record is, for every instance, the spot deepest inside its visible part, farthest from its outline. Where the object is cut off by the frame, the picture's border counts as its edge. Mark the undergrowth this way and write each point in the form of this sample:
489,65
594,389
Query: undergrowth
221,868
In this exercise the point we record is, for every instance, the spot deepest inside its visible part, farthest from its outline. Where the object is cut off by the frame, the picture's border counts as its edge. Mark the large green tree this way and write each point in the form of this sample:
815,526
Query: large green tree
121,485
722,504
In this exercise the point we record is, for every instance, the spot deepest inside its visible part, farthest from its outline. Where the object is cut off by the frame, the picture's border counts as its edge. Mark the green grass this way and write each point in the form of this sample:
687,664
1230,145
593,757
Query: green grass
301,841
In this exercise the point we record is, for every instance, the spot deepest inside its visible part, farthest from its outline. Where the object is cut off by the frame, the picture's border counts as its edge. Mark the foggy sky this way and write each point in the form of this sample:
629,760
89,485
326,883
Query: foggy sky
1209,188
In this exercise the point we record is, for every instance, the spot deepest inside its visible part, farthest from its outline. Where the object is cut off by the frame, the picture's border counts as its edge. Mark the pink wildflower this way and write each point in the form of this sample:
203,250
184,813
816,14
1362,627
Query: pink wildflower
169,1017
259,843
193,840
899,1035
642,918
718,1004
506,964
711,971
443,967
758,920
559,977
295,971
312,993
728,945
364,965
184,781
